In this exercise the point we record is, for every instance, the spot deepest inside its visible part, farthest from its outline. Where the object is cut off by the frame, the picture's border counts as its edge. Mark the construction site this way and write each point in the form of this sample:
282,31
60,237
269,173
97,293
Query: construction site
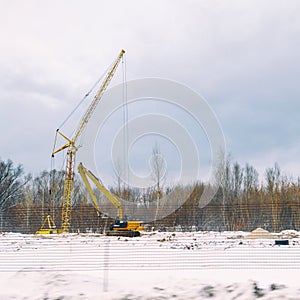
84,238
75,200
149,150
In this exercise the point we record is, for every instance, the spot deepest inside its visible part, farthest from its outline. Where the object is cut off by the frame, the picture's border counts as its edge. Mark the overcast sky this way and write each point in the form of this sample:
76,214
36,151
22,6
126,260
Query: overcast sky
243,57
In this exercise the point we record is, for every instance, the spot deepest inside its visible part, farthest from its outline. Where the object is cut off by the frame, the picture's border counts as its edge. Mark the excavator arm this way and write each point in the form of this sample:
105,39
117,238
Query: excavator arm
128,228
85,174
89,188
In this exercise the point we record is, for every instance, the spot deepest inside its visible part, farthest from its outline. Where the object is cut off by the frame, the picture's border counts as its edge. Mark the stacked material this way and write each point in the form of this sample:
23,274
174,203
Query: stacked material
260,233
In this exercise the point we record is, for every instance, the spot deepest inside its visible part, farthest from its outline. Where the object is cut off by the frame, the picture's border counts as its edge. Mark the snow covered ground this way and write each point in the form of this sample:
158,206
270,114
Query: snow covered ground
178,265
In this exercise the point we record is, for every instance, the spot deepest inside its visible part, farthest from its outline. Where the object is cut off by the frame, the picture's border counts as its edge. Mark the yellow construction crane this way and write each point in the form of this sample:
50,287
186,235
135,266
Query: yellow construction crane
122,227
72,148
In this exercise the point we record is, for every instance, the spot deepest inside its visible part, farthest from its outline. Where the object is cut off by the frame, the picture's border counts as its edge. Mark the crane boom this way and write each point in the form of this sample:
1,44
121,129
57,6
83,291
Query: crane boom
97,98
91,108
72,148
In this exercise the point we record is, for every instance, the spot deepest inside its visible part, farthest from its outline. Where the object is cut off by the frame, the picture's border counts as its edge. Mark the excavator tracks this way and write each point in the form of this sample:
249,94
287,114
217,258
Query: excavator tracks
126,233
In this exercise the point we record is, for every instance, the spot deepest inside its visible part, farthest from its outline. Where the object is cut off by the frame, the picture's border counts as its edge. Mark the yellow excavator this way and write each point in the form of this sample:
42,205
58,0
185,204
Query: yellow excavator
48,225
121,226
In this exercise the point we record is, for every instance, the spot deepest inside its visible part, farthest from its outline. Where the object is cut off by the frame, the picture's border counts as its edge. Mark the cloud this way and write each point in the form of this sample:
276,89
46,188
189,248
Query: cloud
242,56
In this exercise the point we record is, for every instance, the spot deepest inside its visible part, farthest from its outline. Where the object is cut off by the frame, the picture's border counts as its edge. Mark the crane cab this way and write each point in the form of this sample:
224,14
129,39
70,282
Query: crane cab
125,228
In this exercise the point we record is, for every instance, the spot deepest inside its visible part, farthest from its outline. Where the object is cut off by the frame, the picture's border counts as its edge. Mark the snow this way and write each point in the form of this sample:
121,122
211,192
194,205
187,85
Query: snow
157,265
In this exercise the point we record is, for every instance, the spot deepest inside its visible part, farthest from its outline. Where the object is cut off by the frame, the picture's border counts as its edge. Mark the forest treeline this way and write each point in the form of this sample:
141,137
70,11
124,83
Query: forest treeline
242,202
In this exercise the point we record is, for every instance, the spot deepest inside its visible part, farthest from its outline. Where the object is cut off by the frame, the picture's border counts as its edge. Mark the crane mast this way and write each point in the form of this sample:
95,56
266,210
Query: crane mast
72,148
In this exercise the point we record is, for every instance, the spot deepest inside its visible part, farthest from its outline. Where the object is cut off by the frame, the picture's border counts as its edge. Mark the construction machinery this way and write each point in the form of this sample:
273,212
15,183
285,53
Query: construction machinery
121,226
71,146
48,226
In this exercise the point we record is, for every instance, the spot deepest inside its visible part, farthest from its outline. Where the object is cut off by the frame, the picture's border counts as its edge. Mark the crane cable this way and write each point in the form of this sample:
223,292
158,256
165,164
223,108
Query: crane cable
85,96
51,185
125,120
73,111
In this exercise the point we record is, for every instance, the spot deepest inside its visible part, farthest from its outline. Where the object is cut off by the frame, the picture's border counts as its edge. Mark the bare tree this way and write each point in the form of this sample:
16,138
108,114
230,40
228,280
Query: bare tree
237,174
273,178
158,168
250,190
10,183
223,179
119,172
10,186
48,191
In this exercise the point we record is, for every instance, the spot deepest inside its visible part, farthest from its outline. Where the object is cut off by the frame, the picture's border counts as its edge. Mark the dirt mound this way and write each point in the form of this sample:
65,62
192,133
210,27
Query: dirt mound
260,233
